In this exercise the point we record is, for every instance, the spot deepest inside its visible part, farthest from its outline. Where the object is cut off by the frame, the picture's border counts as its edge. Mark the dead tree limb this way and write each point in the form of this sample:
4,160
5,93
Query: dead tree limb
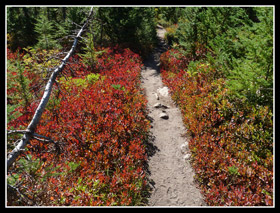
12,156
17,131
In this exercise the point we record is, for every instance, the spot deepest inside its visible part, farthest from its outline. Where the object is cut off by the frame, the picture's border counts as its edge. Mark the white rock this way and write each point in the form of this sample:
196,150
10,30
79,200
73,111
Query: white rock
163,91
156,96
187,157
157,105
163,115
184,147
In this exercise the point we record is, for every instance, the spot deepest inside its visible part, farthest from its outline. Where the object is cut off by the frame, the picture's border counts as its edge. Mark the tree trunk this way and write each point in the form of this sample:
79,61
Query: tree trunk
64,13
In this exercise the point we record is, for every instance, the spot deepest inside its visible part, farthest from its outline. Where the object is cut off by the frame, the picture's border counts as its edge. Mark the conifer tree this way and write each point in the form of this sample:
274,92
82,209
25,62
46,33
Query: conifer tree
45,31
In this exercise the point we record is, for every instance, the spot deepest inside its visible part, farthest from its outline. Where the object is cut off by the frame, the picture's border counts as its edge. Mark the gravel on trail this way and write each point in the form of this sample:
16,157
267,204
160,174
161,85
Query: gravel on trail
171,175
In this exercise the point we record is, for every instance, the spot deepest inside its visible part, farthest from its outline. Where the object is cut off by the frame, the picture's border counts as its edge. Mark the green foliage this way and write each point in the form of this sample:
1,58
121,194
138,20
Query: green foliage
80,83
90,55
20,26
202,25
30,168
77,15
50,26
29,165
18,80
73,166
45,30
118,87
167,16
233,170
252,75
93,77
11,113
187,32
170,36
132,27
41,61
237,41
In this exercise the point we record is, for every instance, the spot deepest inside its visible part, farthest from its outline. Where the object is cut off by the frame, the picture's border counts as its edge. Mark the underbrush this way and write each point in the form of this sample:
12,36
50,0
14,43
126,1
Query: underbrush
232,140
98,127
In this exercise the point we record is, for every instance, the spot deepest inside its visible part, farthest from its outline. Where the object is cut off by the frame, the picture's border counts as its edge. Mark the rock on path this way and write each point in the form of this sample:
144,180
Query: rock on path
170,172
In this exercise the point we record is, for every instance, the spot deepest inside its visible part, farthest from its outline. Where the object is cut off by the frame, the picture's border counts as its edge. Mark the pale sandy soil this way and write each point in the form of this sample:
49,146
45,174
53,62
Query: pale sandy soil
171,176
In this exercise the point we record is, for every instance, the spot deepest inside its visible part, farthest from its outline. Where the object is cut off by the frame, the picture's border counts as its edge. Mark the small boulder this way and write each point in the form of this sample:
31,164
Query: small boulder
163,91
157,105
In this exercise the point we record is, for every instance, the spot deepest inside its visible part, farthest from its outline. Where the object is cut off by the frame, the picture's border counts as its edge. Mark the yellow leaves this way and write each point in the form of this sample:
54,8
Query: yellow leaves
37,60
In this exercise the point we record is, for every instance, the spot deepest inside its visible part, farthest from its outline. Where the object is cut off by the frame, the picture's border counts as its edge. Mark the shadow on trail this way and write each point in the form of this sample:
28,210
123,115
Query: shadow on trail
153,60
150,149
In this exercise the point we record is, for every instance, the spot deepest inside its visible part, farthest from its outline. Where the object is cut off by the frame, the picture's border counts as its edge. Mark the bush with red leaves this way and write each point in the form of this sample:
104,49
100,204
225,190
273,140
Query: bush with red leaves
98,122
232,141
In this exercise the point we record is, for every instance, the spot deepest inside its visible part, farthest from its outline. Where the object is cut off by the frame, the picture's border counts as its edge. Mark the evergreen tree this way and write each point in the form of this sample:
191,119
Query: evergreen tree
20,27
131,27
240,46
90,53
45,30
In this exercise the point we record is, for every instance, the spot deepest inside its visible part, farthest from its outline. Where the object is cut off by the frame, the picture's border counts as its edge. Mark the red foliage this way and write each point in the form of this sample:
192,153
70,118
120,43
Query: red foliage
231,144
100,128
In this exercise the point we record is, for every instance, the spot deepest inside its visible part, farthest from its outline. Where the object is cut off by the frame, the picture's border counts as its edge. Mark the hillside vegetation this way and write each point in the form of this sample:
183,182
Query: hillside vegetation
90,147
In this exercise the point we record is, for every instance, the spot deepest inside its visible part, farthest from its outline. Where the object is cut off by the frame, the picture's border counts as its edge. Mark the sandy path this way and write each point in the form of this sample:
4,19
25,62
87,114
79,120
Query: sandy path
171,175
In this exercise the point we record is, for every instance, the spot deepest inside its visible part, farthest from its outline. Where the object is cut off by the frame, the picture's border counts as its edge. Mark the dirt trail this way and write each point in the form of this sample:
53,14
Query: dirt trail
171,175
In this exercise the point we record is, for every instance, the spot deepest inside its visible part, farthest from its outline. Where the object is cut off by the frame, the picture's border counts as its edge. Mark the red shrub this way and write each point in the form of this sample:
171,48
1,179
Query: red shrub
231,144
100,129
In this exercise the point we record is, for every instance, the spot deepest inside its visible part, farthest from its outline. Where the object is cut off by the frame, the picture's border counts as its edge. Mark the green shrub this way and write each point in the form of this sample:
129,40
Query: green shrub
45,30
238,42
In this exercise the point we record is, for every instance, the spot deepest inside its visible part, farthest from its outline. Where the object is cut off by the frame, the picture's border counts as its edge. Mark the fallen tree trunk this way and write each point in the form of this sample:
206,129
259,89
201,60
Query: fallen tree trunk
12,156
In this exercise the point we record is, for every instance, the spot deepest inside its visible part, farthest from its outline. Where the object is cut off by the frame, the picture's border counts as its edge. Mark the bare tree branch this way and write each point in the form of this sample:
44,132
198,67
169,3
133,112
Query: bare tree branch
12,156
43,138
17,131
